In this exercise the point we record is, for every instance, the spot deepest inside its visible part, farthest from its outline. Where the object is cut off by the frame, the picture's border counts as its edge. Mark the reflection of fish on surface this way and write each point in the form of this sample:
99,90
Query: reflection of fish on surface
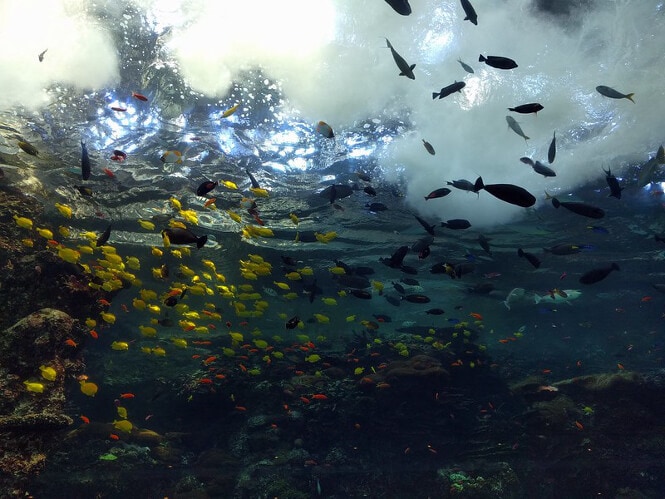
515,295
558,296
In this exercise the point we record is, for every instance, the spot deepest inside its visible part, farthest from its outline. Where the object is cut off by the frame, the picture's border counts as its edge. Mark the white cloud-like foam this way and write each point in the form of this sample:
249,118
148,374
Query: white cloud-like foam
80,52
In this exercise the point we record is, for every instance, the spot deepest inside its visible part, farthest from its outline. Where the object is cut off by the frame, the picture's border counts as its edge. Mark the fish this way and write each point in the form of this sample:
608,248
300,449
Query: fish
558,296
613,184
565,249
509,193
470,12
438,193
435,311
252,179
463,185
416,298
533,259
325,129
485,244
206,187
41,55
428,147
140,97
183,236
84,190
533,107
369,190
465,66
292,323
230,110
103,239
396,259
422,243
586,210
118,155
119,109
171,157
515,127
28,148
360,293
614,94
374,207
402,7
538,167
498,62
85,162
404,67
336,191
364,177
515,295
551,152
595,275
450,89
429,228
456,224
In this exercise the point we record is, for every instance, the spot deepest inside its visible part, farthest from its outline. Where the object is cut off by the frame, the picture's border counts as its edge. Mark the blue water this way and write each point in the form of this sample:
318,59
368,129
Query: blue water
239,418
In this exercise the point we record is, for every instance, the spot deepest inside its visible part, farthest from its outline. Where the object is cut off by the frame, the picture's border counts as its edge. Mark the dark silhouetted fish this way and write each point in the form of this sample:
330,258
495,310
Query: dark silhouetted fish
533,107
438,193
428,147
396,259
254,182
586,210
533,259
613,183
551,152
465,66
509,193
183,236
205,187
613,94
450,89
485,243
402,7
596,275
399,288
416,298
353,281
429,228
407,269
336,191
456,224
543,170
422,243
376,207
463,185
85,162
292,323
470,12
515,127
103,239
404,67
435,311
360,293
565,249
369,190
498,62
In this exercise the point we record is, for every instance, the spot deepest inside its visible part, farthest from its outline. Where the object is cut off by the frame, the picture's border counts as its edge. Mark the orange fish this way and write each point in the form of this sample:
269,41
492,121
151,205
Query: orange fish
124,308
476,315
646,298
205,381
94,334
240,408
620,366
70,342
210,360
104,302
579,425
109,173
304,400
127,395
196,356
319,396
140,97
209,202
85,419
113,436
546,371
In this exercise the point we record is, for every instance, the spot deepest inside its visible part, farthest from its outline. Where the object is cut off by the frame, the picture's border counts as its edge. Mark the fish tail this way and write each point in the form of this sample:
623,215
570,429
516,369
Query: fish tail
434,95
478,185
481,58
200,242
630,97
511,109
555,202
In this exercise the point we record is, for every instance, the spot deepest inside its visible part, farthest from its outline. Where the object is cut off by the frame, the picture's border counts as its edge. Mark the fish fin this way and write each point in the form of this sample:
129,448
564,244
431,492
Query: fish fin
200,242
478,185
630,97
434,95
413,66
481,58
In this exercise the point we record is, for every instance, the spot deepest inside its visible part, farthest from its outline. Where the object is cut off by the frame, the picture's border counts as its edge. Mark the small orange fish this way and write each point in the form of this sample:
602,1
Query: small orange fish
113,436
119,109
304,400
205,381
240,408
476,315
196,356
104,302
70,343
85,419
127,395
94,334
124,308
108,173
140,97
646,298
546,371
209,202
210,360
383,385
579,425
319,396
620,366
242,368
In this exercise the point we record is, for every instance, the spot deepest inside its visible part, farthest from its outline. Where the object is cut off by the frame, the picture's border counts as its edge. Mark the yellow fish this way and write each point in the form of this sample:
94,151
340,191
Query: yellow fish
45,233
89,389
120,345
175,203
229,185
293,276
23,222
230,111
64,210
322,319
171,157
259,193
146,224
48,373
294,218
33,386
329,301
69,255
64,231
234,216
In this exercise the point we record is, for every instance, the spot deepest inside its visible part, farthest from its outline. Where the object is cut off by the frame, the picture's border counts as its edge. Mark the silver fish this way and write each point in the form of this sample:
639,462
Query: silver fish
515,127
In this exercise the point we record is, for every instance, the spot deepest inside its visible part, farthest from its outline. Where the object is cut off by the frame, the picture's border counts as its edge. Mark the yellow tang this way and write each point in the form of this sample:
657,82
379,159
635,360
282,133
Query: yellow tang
146,224
229,185
34,387
89,389
175,203
122,412
48,373
259,193
294,218
64,210
329,301
293,276
108,317
123,425
45,233
120,345
23,222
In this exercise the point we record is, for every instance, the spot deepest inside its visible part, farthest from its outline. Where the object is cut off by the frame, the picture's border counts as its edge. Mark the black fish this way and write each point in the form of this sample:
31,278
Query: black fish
435,311
422,243
360,293
424,253
402,7
485,243
410,282
551,152
376,207
292,323
482,288
470,12
395,302
533,107
103,239
254,182
509,193
399,288
428,147
396,259
363,176
498,62
456,224
336,191
450,89
545,171
462,268
416,298
613,183
183,236
206,187
533,259
369,190
438,193
85,162
171,301
442,268
353,281
407,269
564,249
463,185
288,260
429,228
597,275
586,210
405,69
85,191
